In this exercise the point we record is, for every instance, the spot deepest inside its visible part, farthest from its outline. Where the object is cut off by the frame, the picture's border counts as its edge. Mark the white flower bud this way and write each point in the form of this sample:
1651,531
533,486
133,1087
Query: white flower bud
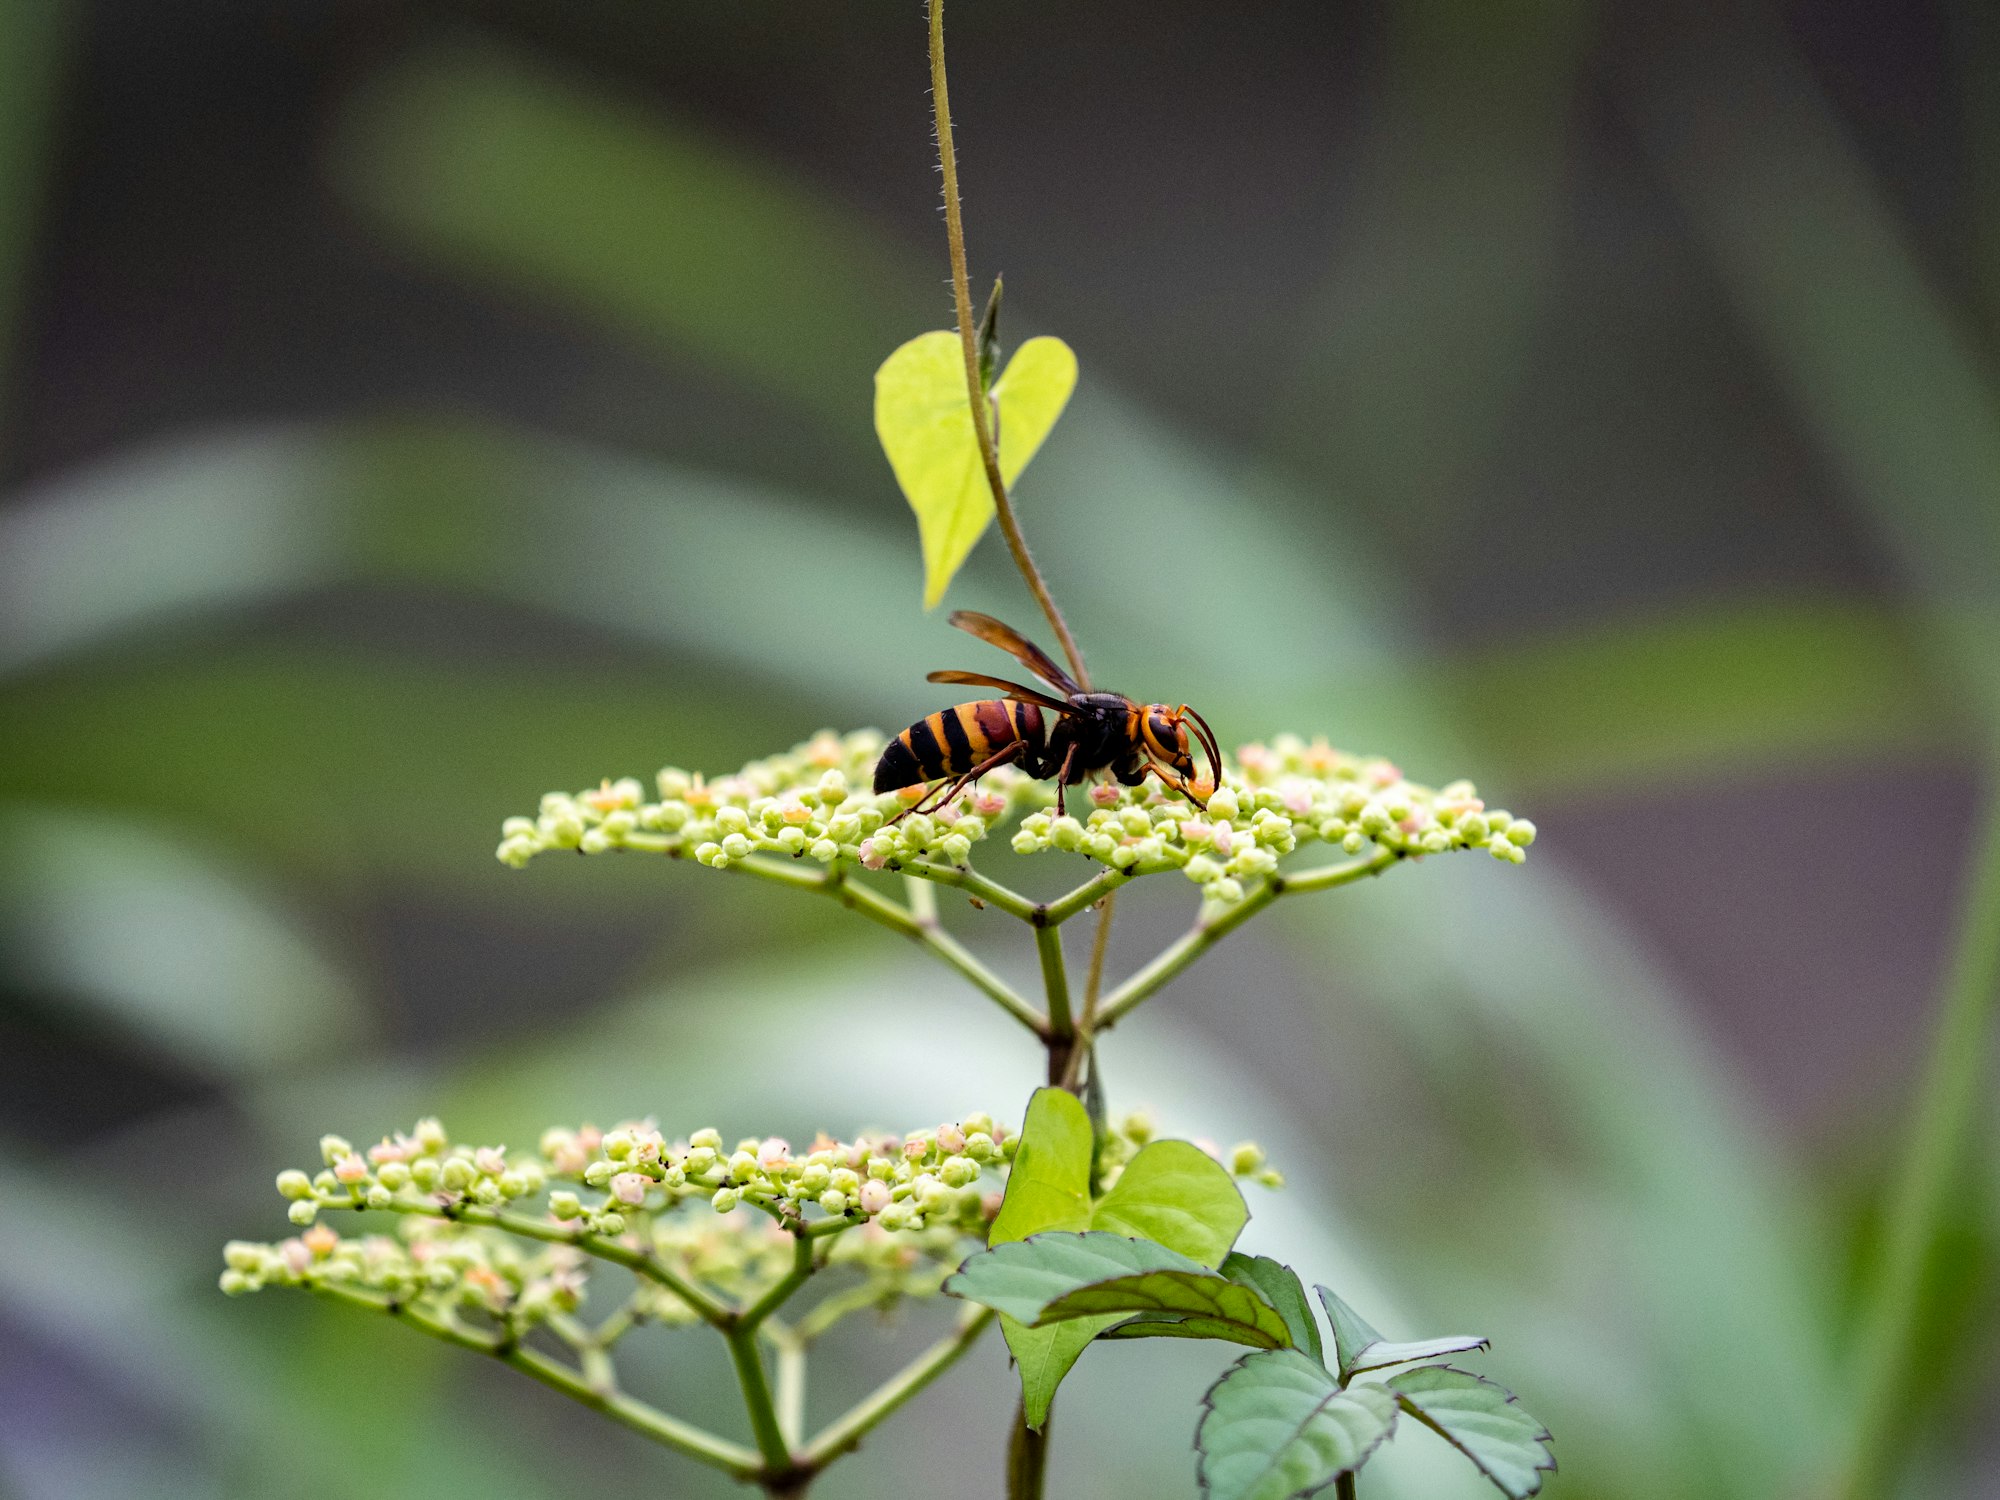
629,1188
875,1196
295,1184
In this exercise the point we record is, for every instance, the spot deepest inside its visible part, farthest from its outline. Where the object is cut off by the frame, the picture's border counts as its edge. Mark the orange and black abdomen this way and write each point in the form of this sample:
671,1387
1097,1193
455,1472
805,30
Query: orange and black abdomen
952,741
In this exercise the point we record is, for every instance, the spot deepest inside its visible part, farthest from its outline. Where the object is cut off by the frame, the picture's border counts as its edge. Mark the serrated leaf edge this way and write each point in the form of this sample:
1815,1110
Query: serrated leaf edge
1415,1361
1208,1409
1544,1437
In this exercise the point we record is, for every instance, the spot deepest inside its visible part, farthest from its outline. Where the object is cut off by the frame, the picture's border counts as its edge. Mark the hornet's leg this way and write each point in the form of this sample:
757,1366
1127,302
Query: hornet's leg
999,758
1062,781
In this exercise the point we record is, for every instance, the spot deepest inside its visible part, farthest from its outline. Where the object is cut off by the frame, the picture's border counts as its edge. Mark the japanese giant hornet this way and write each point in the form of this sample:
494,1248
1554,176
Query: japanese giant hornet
1091,732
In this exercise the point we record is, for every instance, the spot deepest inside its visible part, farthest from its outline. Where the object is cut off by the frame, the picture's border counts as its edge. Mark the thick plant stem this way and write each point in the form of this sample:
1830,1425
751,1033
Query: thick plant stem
1947,1116
1062,1036
968,334
1027,1456
1343,1487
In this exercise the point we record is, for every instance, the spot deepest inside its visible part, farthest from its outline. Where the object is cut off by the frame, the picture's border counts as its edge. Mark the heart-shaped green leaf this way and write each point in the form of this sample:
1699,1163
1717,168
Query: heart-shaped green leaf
924,421
1482,1421
1171,1193
1027,1278
1359,1347
1278,1426
1279,1285
1178,1194
1203,1304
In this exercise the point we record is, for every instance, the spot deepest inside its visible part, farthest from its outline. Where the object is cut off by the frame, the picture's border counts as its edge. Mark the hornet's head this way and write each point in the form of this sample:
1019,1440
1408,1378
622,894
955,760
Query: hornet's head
1166,734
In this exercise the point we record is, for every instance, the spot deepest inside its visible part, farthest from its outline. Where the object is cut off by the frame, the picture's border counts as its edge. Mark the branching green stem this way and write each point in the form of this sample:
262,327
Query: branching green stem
625,1410
1210,930
1947,1116
641,1263
846,1431
1082,898
968,335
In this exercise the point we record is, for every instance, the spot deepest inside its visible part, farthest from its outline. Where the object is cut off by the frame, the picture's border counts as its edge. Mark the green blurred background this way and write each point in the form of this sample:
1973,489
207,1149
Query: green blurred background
410,408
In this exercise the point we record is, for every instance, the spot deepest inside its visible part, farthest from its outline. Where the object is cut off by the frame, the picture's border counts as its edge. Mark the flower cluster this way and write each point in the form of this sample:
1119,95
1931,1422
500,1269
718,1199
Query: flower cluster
812,803
723,1219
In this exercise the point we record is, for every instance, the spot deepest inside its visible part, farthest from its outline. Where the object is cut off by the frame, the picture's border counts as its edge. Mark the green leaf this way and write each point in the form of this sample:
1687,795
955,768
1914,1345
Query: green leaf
1171,1193
1351,1332
1025,1278
1177,1194
1048,1186
1179,1304
1277,1426
924,421
1359,1347
1279,1285
1482,1421
1381,1354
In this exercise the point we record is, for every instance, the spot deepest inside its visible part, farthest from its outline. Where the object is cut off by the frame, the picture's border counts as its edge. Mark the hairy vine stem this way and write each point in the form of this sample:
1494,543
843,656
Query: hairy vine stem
968,336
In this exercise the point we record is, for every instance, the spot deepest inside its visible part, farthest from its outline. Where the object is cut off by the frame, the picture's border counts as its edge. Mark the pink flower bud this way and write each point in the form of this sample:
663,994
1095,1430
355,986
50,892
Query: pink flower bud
989,804
492,1160
871,857
319,1240
989,1204
1298,800
951,1139
297,1257
351,1169
1383,774
1194,831
915,1148
774,1153
1224,838
387,1150
874,1196
1104,796
629,1188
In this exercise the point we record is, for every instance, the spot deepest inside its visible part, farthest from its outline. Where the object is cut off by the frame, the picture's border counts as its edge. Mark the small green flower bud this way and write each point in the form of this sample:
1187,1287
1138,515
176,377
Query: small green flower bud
1223,805
458,1174
1375,820
1521,832
959,1172
295,1184
303,1212
430,1135
332,1148
846,1180
1066,833
236,1283
706,1140
1246,1157
424,1172
513,1185
813,1181
793,840
732,820
565,1205
956,847
380,1197
834,1202
895,1216
1353,842
243,1255
1271,1177
736,846
485,1191
725,1199
1202,870
1227,891
393,1175
612,1223
880,1168
708,853
1025,842
618,1145
979,1146
826,851
742,1167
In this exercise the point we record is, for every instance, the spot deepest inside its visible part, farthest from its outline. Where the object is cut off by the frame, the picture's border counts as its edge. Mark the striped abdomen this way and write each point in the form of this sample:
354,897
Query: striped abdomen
954,740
